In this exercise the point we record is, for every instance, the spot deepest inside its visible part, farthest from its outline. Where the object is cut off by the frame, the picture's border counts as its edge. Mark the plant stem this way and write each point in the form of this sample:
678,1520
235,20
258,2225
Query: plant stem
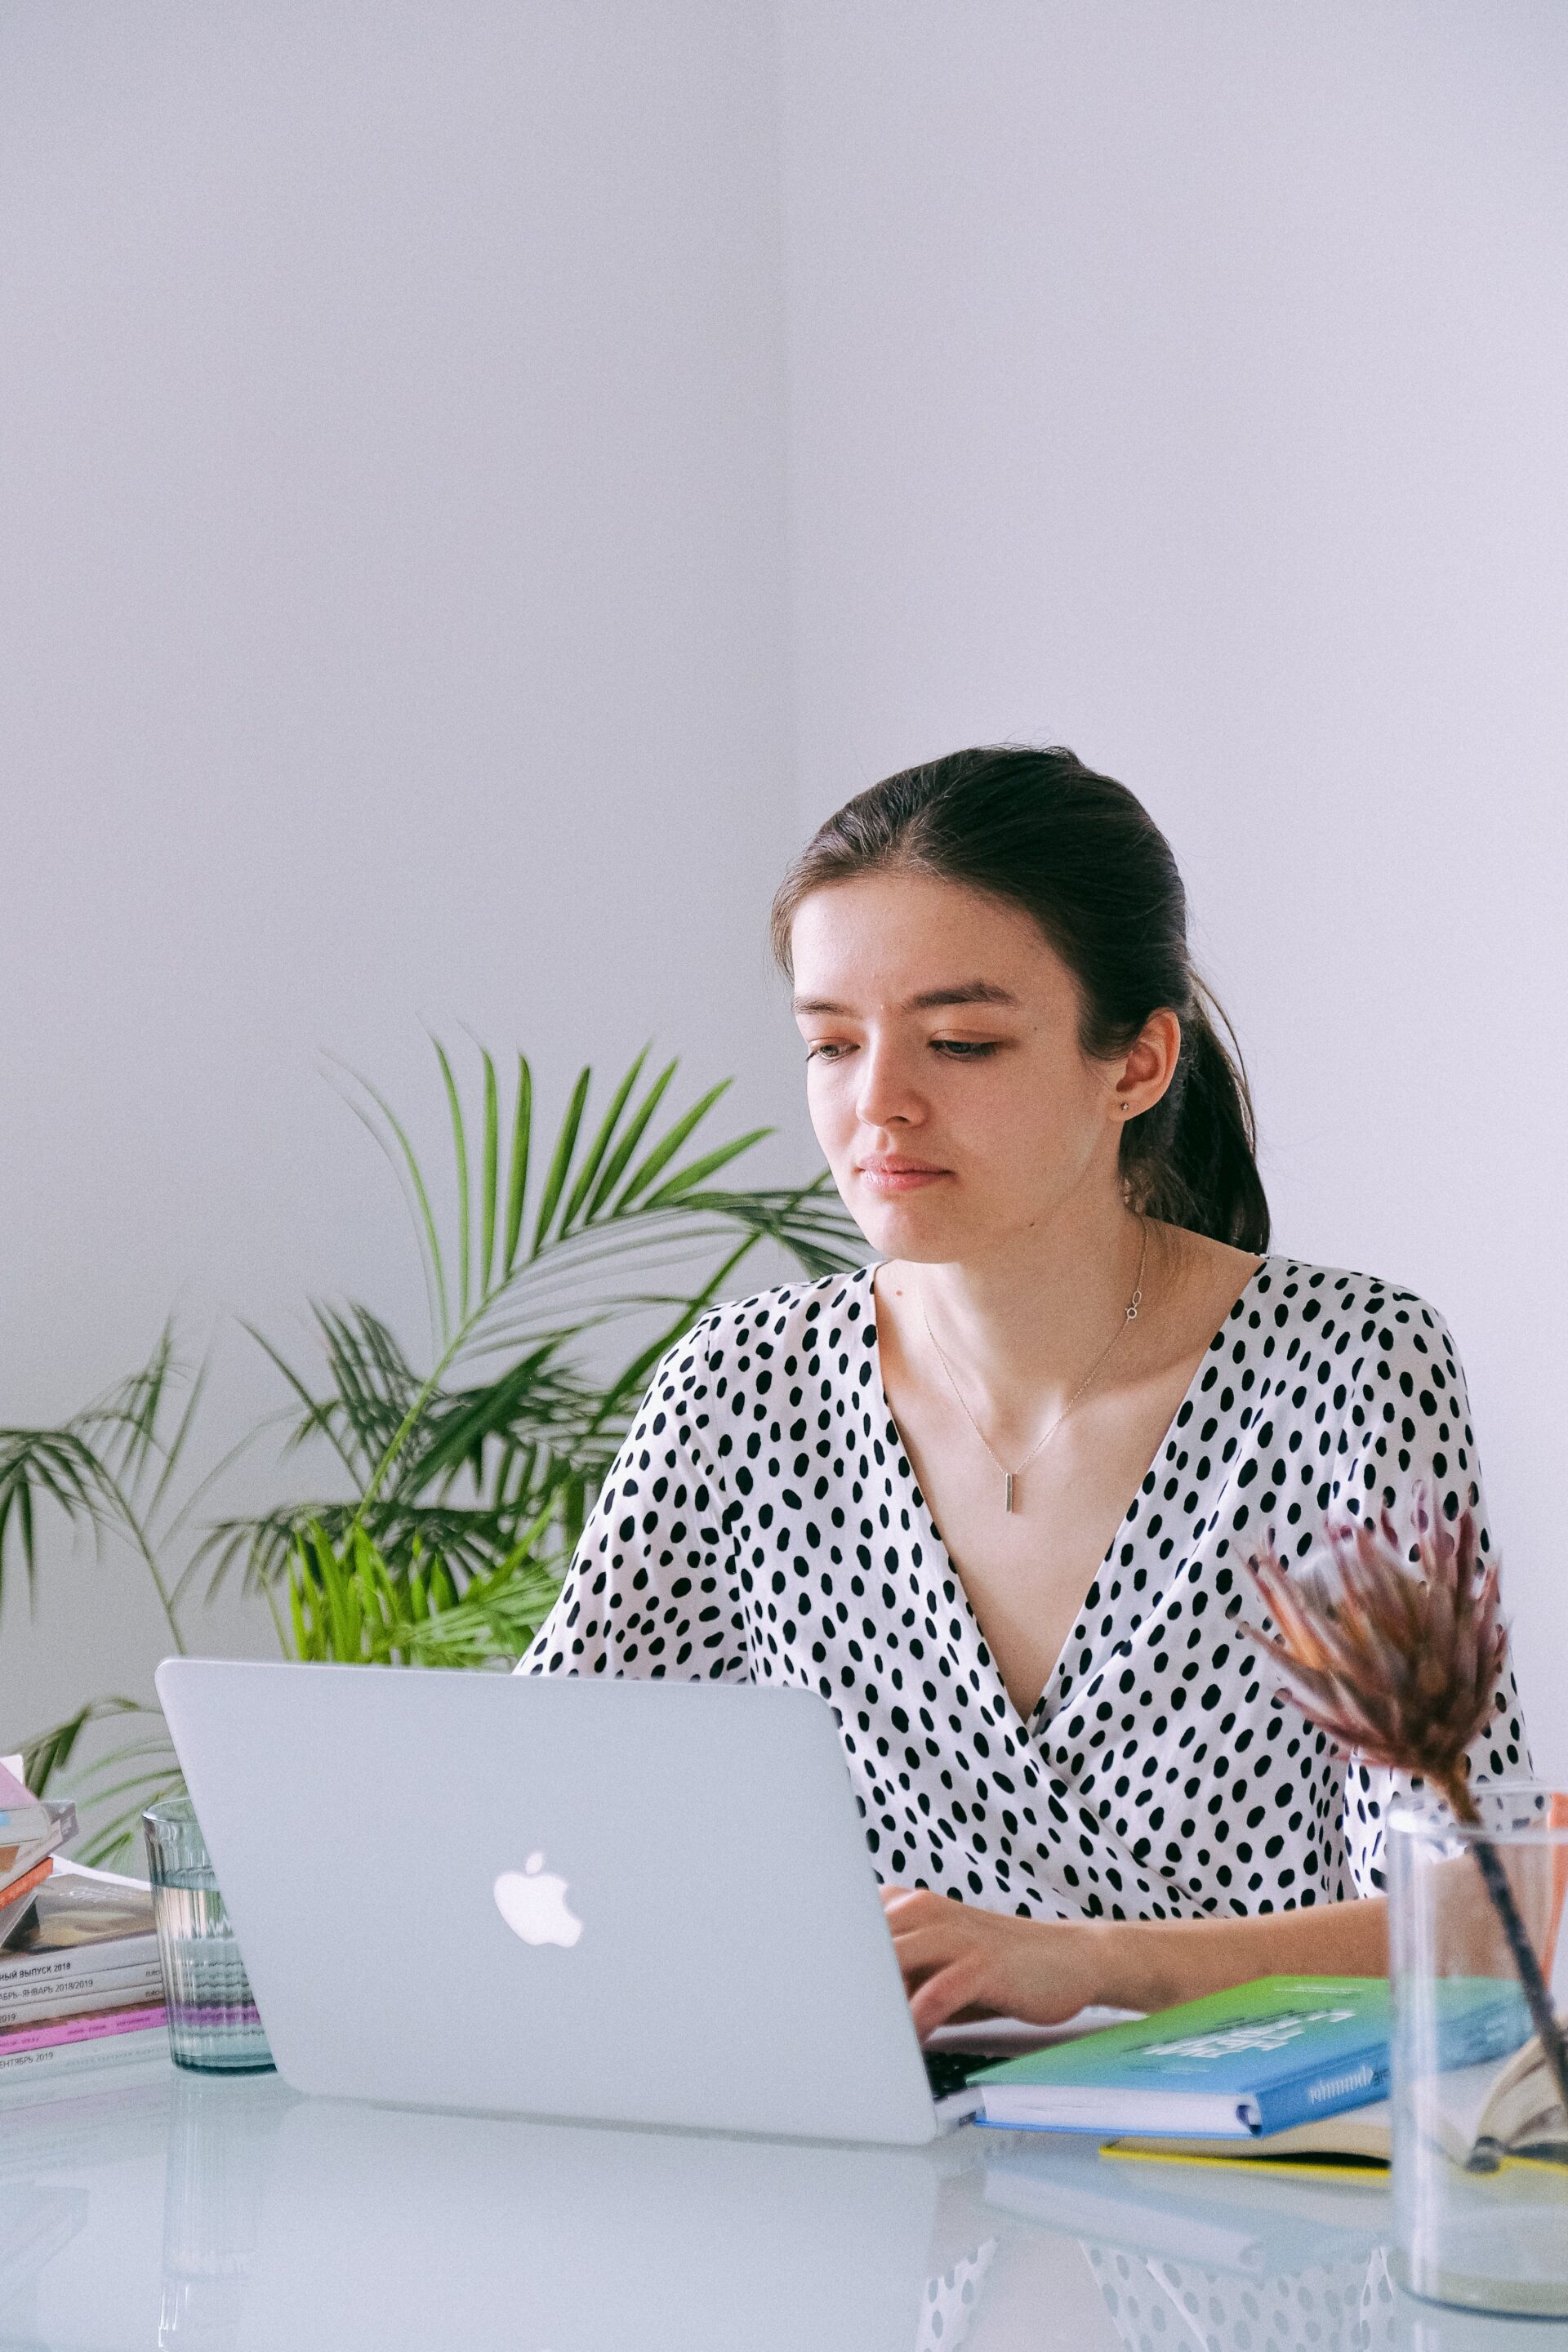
139,1536
271,1600
1463,1807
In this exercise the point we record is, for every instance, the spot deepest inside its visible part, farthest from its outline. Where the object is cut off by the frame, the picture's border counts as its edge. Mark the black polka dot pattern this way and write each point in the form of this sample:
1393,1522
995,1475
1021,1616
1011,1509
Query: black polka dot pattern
763,1523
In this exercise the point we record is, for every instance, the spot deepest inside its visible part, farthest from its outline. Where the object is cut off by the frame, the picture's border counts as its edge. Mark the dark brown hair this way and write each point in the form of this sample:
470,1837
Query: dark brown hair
1081,855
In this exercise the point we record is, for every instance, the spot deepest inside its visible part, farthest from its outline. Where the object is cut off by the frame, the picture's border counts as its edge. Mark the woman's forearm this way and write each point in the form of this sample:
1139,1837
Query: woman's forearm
1152,1963
959,1960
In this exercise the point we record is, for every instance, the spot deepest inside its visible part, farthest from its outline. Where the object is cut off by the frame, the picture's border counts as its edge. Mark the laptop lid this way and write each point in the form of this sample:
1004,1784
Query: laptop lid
628,1902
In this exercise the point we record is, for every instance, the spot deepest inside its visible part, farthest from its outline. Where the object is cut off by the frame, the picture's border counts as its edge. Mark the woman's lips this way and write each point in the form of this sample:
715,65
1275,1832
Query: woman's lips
893,1176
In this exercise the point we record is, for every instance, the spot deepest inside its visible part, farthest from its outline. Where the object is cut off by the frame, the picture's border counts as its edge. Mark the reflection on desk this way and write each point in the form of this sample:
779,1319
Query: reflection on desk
203,2215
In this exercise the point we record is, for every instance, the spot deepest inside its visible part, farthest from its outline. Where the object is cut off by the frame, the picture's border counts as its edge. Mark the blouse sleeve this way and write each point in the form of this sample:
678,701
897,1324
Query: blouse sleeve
1409,1427
652,1589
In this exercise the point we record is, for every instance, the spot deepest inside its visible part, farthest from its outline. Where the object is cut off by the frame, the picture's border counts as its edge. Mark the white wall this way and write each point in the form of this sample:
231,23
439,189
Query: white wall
1187,384
404,516
392,630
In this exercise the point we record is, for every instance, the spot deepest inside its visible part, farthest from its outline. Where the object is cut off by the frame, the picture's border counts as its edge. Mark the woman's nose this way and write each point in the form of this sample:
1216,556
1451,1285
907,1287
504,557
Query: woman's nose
886,1097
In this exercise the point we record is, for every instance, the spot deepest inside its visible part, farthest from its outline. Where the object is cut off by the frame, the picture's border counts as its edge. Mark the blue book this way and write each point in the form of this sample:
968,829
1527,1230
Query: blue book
1262,2058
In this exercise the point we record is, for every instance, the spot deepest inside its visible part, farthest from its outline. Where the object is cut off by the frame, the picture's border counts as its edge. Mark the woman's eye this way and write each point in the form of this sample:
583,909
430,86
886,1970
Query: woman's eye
825,1049
963,1049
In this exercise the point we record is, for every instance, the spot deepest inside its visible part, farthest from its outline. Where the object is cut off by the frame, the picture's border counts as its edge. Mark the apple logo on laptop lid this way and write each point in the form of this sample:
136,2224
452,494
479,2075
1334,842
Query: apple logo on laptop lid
533,1902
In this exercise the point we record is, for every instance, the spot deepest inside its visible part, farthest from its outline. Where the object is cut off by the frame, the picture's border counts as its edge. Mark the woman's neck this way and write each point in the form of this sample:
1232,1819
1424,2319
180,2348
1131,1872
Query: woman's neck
1019,1328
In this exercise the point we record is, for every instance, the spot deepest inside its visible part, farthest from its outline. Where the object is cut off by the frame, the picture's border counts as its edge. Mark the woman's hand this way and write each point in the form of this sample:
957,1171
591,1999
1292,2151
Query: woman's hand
959,1961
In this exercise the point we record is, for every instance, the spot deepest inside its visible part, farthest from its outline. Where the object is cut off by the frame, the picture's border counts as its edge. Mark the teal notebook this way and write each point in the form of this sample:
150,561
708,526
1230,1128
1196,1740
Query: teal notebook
1260,2059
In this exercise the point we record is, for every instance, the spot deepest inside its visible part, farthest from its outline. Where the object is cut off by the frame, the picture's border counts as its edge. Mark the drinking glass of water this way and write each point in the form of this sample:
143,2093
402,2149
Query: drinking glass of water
214,2025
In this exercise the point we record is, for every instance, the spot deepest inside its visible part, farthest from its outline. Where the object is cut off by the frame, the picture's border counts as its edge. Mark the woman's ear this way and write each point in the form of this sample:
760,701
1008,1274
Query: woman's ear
1150,1064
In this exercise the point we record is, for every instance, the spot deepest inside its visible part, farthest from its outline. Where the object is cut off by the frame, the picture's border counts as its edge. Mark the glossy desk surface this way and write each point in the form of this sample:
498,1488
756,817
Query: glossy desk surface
140,2207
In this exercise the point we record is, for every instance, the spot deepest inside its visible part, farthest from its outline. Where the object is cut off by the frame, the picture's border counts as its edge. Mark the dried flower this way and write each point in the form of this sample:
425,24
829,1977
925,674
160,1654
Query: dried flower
1403,1667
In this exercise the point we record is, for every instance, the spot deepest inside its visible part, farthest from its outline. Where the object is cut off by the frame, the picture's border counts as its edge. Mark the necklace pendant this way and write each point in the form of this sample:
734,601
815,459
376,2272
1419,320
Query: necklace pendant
1007,1499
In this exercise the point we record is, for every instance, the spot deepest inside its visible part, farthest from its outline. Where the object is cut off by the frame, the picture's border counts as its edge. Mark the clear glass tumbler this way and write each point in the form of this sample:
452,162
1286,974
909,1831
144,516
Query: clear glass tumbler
214,2024
1481,2134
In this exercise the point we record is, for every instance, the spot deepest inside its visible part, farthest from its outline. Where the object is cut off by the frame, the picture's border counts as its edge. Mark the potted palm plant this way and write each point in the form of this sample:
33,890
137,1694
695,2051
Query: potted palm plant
458,1474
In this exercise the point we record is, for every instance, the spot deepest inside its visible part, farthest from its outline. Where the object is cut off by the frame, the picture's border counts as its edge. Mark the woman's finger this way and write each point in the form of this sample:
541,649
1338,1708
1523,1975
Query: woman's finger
921,1950
951,1989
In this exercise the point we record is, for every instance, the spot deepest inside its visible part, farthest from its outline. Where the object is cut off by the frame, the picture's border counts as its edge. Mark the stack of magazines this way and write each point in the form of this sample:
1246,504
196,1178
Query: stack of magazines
80,1979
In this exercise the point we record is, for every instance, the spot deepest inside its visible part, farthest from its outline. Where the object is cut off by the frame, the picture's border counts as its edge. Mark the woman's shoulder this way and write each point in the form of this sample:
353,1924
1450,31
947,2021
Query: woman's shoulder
770,1324
1339,1305
1354,1342
1361,1378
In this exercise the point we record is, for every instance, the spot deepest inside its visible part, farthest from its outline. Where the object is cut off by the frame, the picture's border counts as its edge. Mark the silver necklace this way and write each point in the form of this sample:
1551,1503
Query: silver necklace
1011,1477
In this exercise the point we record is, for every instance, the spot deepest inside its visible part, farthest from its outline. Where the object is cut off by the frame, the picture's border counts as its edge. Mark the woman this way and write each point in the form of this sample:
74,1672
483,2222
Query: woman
1078,1362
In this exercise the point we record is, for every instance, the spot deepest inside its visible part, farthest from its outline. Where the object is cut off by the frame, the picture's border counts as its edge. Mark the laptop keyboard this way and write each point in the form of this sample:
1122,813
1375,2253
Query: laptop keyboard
947,2071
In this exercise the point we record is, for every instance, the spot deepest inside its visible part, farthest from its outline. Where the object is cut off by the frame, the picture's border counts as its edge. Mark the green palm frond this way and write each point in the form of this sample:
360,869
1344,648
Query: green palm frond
47,1753
491,1625
125,1424
259,1548
372,1386
477,1460
536,1408
348,1603
603,1200
809,1222
560,1161
93,1469
53,1466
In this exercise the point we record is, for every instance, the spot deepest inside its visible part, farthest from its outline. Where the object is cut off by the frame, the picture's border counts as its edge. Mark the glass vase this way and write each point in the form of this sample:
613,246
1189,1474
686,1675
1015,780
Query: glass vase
214,2024
1481,2134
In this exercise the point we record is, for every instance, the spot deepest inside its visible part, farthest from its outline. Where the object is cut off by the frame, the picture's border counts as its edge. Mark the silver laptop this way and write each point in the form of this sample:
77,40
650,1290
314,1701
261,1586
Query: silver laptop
622,1902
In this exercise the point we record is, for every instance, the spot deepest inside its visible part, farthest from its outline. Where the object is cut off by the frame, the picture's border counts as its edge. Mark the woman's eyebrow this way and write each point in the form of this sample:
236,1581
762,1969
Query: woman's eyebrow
968,992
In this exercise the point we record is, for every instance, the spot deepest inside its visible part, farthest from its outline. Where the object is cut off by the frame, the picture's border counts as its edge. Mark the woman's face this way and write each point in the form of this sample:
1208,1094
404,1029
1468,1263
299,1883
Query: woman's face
946,1083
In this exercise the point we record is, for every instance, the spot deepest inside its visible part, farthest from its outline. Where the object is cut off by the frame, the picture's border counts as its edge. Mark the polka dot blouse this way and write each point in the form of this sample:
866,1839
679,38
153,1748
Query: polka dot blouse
762,1522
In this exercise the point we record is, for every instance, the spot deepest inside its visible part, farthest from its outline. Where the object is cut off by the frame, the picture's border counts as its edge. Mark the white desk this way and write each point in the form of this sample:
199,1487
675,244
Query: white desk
143,2207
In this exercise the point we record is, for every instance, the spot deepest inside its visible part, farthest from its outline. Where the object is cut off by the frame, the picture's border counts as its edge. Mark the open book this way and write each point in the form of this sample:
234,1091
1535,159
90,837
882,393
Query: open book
1477,2115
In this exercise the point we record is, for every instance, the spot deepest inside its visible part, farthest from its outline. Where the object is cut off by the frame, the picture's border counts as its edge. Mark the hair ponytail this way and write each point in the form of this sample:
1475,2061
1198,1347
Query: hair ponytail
1192,1160
1078,852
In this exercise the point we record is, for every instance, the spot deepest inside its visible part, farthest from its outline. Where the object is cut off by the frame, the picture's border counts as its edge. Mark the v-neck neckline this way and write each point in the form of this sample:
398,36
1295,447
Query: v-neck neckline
1028,1727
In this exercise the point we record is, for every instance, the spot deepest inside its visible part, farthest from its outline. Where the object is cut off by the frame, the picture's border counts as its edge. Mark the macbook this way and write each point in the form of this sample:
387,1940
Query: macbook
629,1902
